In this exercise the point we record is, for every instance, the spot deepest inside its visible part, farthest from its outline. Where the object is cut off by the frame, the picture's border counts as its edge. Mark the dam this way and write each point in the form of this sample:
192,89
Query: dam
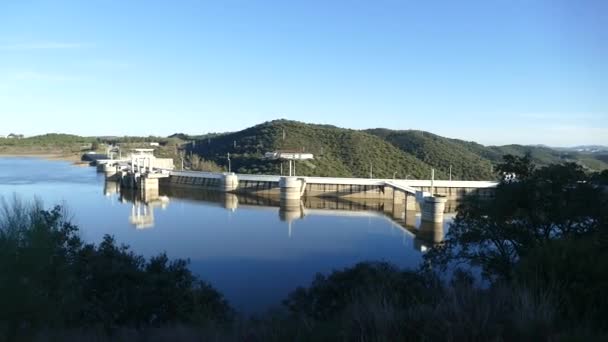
145,173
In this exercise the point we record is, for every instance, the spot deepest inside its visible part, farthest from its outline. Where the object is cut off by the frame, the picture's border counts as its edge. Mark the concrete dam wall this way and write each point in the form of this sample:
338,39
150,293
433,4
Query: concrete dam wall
355,188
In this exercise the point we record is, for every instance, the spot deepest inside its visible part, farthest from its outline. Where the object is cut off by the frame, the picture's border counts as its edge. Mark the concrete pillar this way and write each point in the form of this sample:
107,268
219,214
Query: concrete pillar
410,202
148,188
388,192
410,218
398,211
230,181
433,208
399,196
431,232
387,207
290,209
231,201
290,188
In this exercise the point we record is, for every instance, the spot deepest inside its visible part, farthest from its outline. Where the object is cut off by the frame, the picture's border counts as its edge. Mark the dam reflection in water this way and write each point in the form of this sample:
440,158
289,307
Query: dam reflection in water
144,204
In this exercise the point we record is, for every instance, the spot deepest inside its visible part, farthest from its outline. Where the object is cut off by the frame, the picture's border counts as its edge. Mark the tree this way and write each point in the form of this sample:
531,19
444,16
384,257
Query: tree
541,205
50,279
520,167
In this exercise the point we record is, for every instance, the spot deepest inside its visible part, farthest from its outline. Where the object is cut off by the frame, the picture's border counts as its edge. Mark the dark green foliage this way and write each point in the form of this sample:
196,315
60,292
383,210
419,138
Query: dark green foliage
577,271
49,279
519,167
378,302
540,205
439,152
546,230
328,296
471,161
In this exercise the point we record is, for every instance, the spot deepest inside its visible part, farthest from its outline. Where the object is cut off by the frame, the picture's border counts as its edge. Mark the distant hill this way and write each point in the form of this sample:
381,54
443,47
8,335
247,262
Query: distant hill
585,149
50,139
471,160
184,136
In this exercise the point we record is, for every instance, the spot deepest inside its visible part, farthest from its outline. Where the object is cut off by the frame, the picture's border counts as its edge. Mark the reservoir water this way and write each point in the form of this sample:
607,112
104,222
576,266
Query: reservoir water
248,248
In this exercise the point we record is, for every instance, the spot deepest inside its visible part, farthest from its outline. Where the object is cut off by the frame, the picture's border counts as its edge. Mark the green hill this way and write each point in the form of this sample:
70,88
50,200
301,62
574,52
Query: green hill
440,152
338,151
351,153
470,160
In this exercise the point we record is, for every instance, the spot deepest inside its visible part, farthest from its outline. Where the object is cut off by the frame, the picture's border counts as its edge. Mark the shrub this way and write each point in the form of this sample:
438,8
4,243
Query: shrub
50,279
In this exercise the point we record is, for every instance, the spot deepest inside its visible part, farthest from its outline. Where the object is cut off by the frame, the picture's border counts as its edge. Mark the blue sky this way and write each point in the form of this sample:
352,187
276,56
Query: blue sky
496,72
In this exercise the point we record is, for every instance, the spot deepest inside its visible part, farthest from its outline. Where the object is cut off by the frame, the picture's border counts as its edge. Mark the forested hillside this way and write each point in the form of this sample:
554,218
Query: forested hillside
439,152
384,152
338,151
470,160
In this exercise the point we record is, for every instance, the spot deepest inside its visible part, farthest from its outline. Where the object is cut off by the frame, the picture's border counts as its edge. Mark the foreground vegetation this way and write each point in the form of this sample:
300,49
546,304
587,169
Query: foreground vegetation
51,280
541,244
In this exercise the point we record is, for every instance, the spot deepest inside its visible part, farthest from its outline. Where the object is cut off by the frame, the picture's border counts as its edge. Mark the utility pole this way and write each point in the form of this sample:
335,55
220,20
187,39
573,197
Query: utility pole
181,156
229,166
283,134
234,144
371,170
281,168
394,173
450,172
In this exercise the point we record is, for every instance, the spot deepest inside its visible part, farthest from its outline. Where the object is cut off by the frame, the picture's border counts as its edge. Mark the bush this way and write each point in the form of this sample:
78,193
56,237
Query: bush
577,270
378,302
328,296
50,279
538,206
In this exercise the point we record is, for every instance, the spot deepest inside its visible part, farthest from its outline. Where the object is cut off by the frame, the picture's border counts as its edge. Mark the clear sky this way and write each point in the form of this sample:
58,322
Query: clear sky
497,72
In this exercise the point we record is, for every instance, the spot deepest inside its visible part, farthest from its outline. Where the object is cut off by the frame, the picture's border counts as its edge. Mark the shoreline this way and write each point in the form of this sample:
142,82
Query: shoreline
74,158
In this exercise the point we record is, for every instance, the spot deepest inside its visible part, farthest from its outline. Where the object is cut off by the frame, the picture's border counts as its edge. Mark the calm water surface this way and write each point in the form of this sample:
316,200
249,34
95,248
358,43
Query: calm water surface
250,249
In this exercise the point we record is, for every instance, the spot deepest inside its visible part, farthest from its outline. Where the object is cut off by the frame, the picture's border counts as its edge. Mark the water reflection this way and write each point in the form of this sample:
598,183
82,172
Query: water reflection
253,249
143,203
426,234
